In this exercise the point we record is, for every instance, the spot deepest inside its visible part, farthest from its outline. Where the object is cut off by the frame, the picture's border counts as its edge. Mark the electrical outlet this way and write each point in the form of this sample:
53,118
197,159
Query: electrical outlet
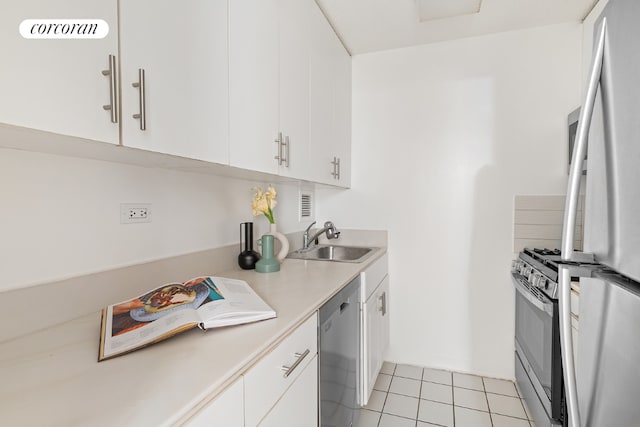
134,213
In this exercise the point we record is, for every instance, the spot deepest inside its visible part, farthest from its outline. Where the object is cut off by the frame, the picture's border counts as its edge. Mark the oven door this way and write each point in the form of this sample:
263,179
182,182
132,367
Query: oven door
537,342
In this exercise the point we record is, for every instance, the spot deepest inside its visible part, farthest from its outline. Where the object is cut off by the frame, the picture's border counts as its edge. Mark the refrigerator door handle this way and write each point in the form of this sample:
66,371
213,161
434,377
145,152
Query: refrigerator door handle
577,159
566,345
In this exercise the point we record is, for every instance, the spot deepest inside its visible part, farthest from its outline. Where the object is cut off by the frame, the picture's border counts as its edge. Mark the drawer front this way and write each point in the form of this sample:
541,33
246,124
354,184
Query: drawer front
298,407
266,382
226,410
372,276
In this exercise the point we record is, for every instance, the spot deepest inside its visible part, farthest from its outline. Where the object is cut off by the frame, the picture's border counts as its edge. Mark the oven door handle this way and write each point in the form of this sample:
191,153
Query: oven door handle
547,307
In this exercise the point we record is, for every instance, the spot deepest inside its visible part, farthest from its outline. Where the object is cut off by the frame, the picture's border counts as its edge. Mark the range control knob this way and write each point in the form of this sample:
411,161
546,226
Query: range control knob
535,278
515,266
542,282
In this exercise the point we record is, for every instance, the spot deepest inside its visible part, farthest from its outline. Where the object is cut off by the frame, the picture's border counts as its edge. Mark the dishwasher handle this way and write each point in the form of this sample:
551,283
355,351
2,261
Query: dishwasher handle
344,305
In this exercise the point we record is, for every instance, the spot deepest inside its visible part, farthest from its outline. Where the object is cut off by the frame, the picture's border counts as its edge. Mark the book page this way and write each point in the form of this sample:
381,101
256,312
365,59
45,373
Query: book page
238,304
156,315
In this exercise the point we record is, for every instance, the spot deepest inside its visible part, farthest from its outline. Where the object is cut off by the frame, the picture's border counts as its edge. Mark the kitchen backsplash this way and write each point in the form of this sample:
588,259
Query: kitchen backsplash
537,222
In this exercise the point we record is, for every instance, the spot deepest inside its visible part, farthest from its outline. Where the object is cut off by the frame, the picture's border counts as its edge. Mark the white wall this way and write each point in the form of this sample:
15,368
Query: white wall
60,216
444,136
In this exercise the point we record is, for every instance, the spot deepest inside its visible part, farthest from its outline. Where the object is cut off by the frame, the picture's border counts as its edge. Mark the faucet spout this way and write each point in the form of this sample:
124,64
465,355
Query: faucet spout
329,229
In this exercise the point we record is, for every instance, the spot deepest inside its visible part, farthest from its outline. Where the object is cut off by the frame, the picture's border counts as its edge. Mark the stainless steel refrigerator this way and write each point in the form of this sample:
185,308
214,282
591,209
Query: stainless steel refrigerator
603,383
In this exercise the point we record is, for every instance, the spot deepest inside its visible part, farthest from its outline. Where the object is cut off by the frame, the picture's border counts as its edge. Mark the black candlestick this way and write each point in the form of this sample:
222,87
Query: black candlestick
248,257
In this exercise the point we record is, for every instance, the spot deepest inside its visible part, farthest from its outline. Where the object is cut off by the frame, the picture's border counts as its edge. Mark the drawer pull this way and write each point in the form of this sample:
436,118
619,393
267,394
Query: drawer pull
289,369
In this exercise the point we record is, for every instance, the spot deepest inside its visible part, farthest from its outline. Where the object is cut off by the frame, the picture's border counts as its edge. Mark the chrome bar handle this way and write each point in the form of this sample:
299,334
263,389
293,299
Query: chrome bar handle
579,150
113,89
566,345
288,370
142,115
336,164
285,146
383,303
279,156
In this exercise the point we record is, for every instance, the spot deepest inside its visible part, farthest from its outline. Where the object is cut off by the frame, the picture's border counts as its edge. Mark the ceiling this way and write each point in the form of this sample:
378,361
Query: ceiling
373,25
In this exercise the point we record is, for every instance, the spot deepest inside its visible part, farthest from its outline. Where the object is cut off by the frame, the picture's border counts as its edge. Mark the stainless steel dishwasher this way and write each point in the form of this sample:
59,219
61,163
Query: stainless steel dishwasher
339,347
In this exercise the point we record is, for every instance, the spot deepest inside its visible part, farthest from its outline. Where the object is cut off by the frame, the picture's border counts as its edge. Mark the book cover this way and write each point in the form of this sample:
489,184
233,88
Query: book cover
205,302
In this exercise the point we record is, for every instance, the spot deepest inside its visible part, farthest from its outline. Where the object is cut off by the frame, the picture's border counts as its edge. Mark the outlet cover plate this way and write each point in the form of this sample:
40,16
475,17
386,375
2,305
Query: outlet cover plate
135,213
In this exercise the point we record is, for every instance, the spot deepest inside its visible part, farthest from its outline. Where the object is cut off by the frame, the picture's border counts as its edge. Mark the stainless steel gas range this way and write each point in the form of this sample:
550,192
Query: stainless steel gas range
538,362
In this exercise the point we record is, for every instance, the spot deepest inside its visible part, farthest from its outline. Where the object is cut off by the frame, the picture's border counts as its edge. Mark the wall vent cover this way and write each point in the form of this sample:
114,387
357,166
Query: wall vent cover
306,205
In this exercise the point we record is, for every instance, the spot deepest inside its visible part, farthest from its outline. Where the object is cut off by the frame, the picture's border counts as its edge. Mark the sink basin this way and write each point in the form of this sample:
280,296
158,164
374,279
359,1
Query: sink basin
333,253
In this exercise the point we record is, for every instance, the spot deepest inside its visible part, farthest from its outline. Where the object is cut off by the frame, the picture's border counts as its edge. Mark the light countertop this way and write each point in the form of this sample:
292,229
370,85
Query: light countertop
52,377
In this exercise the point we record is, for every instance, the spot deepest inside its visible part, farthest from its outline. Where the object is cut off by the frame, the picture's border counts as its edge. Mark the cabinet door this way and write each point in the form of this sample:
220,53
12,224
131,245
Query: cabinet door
342,112
383,318
376,335
294,47
370,346
227,410
182,48
321,100
254,105
57,85
269,85
330,105
266,382
298,407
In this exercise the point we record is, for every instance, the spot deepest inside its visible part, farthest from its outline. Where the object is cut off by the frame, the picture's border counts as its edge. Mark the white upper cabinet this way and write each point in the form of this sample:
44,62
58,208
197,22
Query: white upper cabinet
182,49
342,114
295,47
57,85
253,84
268,85
330,105
262,85
290,91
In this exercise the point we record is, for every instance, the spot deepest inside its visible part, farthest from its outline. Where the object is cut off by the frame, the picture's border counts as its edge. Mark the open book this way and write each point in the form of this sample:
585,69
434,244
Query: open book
206,302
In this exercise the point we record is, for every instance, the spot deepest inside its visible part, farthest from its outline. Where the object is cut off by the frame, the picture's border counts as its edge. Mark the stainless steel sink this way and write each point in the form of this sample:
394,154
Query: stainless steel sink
333,253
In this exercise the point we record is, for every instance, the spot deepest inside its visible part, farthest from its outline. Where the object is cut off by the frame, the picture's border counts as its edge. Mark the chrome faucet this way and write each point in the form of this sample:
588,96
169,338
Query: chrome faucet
329,229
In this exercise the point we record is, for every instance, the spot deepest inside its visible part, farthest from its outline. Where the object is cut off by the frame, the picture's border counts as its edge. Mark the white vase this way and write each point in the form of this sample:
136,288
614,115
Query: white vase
284,243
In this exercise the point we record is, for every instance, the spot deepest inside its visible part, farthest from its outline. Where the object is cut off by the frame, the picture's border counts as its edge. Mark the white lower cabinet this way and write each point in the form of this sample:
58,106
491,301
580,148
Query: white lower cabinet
298,407
374,321
281,390
276,391
227,410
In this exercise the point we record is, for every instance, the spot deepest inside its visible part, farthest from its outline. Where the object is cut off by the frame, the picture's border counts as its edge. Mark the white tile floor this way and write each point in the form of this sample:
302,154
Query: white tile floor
419,397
